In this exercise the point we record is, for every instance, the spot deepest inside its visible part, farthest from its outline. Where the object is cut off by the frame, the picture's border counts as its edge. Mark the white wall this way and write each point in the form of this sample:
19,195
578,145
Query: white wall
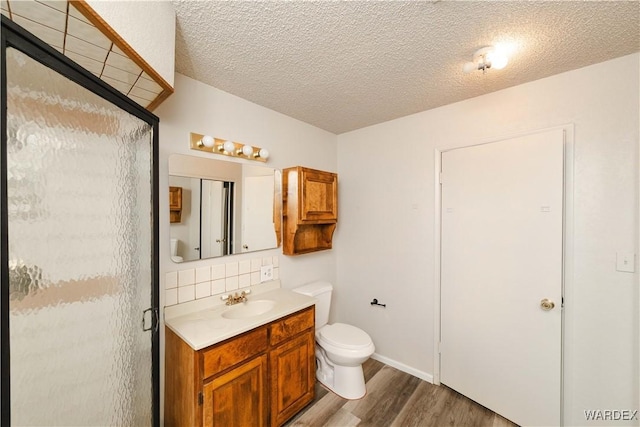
196,107
385,241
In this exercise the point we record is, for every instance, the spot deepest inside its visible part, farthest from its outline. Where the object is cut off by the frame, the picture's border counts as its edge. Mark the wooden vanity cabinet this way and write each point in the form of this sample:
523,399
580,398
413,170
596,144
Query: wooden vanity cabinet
310,209
239,397
259,378
292,364
221,385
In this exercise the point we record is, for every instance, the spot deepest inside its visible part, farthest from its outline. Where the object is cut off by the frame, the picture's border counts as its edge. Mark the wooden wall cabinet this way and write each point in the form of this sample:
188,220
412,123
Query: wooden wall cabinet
259,378
310,209
175,204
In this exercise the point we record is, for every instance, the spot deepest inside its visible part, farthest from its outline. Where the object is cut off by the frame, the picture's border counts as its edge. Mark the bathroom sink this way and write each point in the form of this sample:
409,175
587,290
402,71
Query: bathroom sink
248,309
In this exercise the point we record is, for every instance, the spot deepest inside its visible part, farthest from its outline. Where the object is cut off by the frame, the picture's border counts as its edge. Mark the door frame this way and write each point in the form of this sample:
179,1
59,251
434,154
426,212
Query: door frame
567,246
12,35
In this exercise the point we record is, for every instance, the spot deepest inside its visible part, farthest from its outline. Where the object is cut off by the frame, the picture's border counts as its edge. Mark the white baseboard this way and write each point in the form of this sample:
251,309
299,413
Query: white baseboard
404,368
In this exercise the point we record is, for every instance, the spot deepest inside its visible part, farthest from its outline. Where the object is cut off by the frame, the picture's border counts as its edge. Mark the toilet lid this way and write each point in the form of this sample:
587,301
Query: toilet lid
347,336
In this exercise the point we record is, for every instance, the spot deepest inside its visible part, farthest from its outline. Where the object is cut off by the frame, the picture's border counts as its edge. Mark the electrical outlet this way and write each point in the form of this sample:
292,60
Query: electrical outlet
266,273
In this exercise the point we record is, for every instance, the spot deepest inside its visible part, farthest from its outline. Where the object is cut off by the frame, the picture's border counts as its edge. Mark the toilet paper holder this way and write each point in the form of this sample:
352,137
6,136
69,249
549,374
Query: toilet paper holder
375,302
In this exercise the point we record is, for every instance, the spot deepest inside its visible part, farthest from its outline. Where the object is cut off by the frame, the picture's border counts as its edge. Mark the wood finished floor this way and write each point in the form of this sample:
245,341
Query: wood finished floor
395,398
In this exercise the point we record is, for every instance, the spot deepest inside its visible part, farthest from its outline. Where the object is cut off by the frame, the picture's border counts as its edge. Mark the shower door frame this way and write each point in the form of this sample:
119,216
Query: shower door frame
16,37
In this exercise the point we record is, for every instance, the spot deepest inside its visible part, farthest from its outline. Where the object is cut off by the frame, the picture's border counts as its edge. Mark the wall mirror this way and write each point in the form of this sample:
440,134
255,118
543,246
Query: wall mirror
220,208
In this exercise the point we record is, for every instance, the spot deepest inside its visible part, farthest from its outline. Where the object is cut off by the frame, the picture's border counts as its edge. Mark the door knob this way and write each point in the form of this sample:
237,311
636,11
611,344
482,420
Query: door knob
547,305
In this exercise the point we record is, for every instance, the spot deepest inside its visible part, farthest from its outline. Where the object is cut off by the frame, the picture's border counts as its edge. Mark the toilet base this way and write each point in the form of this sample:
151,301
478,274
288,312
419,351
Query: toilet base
345,381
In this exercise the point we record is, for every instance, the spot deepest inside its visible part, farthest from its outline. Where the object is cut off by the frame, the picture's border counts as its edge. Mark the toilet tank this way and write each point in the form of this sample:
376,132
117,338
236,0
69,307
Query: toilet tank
322,292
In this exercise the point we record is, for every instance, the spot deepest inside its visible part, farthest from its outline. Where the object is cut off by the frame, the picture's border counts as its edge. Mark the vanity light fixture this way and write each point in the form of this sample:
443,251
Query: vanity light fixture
485,58
210,144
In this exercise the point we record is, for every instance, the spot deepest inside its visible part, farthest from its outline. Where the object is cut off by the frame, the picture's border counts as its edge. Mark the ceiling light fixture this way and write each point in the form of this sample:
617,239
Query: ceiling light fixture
210,144
485,58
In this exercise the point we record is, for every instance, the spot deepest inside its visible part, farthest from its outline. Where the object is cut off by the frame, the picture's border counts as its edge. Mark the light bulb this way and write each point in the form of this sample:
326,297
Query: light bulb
263,153
498,61
469,67
207,141
247,150
229,146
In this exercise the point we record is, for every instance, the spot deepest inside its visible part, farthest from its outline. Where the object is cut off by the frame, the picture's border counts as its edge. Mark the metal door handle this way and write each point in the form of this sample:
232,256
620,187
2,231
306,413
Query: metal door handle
547,305
154,320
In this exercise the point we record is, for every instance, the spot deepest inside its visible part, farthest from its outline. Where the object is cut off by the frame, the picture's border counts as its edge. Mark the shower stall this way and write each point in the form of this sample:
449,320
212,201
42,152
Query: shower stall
79,240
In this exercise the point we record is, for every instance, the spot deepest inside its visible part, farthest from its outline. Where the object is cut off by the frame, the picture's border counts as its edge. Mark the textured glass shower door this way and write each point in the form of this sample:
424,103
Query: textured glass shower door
80,253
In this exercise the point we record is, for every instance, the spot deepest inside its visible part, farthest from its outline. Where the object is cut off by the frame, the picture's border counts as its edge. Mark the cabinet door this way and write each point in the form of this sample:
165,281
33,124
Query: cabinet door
175,204
292,367
238,398
319,196
175,198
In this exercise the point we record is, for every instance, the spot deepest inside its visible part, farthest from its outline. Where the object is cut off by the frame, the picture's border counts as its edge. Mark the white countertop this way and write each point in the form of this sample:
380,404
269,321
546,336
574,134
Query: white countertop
206,326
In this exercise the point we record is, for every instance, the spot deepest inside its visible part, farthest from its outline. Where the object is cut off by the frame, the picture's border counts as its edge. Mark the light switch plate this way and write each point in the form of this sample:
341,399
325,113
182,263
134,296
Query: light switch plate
266,273
626,262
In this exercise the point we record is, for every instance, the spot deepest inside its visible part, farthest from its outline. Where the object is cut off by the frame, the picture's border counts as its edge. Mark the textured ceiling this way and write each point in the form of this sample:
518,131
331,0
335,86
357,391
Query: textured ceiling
343,65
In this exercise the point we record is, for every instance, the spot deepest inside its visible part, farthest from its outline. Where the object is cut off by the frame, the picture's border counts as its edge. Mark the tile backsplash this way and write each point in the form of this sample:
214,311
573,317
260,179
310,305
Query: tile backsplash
195,283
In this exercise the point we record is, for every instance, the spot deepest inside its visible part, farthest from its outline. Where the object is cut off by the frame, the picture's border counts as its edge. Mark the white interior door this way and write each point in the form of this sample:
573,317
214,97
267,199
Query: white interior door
212,235
257,220
192,245
502,246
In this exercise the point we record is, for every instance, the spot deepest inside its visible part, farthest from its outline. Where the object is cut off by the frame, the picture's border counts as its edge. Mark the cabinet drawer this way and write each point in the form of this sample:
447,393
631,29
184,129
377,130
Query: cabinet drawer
292,325
239,349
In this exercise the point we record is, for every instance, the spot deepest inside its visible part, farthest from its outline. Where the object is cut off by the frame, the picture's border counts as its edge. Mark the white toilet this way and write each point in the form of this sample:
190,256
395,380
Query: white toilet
341,349
174,251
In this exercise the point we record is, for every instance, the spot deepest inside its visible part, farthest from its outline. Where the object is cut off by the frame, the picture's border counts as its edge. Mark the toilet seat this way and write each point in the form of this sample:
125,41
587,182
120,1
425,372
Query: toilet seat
345,336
